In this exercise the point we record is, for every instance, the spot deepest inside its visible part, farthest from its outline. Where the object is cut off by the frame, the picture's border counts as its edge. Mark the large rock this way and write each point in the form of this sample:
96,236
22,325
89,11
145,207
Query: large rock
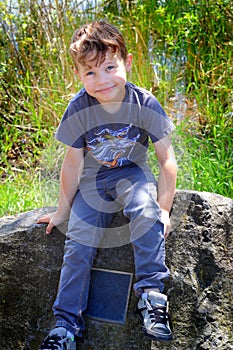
199,254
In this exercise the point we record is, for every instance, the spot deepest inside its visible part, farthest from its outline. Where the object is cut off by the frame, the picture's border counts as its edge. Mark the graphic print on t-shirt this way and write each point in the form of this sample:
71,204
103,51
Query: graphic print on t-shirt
112,148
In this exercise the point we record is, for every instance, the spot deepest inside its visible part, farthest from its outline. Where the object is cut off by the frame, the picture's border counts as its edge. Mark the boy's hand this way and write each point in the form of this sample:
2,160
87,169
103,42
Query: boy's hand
53,219
165,219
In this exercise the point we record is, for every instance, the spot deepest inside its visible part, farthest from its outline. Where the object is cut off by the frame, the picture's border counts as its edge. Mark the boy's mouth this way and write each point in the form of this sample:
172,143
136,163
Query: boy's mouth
105,90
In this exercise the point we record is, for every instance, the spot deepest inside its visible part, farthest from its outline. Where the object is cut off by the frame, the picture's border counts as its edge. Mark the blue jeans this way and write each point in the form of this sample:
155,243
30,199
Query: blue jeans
133,190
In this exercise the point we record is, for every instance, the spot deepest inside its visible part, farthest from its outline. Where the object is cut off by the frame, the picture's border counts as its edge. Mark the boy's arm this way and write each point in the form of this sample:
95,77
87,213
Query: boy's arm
167,178
71,172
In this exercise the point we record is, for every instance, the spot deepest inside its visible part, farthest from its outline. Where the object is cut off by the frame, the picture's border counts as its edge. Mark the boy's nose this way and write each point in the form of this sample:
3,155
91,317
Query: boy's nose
102,78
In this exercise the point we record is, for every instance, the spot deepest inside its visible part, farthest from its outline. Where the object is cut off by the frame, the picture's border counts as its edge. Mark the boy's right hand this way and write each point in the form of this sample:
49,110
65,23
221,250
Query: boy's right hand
53,219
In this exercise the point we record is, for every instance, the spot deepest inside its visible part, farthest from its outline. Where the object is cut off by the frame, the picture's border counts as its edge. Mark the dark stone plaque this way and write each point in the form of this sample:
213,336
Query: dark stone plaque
109,295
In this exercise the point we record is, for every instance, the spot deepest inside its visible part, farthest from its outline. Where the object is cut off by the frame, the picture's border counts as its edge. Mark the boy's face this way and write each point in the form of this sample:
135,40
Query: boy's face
106,82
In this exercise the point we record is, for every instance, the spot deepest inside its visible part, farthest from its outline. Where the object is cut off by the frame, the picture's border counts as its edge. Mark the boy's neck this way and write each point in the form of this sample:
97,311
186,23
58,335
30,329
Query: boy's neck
112,107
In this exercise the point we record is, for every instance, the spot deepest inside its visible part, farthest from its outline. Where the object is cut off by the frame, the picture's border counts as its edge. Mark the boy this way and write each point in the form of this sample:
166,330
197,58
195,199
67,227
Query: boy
106,128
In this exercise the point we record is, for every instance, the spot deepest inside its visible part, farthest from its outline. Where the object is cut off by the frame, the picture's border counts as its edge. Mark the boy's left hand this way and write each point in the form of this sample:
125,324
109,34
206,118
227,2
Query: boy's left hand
165,219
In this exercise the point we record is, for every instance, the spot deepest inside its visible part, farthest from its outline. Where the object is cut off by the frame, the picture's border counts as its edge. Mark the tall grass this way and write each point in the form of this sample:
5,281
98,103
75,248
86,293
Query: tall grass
182,50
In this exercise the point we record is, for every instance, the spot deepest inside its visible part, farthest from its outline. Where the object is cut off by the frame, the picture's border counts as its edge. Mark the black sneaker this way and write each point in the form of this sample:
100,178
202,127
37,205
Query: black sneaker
58,340
152,310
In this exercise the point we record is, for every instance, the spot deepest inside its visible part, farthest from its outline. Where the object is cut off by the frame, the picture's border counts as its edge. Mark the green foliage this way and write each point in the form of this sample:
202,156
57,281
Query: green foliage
35,187
206,163
22,192
180,48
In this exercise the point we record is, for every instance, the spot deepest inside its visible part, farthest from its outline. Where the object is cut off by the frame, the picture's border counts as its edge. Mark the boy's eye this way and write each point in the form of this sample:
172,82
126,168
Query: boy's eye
89,74
110,68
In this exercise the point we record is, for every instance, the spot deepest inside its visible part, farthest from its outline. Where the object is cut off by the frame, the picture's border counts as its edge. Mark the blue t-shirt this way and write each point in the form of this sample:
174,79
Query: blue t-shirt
118,137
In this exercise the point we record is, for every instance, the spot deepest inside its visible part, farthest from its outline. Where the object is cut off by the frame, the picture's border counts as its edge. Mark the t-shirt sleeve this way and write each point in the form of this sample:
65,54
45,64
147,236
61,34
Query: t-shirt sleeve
155,120
71,130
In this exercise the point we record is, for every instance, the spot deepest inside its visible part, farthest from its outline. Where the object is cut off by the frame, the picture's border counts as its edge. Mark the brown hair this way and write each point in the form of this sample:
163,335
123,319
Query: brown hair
92,41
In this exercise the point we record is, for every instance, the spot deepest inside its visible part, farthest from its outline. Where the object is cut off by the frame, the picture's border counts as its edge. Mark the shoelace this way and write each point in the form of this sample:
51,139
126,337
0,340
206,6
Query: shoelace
158,314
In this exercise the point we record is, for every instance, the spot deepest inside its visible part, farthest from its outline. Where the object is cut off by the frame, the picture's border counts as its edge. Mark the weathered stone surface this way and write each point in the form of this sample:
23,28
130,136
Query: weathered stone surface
199,254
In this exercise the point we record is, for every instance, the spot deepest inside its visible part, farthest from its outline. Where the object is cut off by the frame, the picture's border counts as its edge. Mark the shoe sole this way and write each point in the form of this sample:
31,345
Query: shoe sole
165,338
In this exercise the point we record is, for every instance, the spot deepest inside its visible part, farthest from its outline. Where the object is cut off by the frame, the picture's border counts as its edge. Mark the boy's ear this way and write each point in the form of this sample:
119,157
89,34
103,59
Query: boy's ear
128,62
76,73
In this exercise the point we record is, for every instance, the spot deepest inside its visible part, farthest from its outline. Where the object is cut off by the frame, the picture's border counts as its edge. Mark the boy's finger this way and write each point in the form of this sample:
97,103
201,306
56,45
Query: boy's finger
49,227
43,219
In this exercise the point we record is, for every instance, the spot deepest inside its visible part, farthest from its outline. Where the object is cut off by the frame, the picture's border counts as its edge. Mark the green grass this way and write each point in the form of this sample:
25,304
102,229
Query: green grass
206,164
24,192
